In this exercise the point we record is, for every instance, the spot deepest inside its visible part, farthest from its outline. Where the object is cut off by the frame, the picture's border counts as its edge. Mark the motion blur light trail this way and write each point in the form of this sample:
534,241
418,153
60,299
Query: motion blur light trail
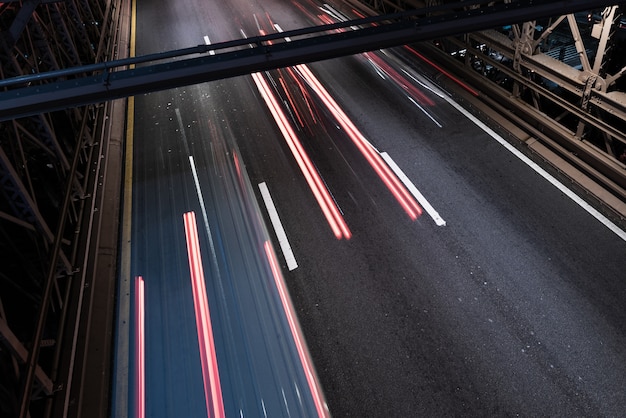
441,70
420,56
383,67
208,359
399,79
140,359
315,182
291,102
311,377
305,93
402,195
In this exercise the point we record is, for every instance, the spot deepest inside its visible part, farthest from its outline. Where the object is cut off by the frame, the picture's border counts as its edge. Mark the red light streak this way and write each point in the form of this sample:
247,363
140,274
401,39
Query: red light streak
140,360
291,102
423,58
402,195
315,182
305,11
208,358
270,19
238,168
305,359
327,20
304,91
361,15
399,79
441,70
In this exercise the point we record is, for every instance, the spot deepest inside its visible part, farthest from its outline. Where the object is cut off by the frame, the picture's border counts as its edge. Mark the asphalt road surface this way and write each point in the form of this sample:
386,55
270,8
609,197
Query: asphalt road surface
511,302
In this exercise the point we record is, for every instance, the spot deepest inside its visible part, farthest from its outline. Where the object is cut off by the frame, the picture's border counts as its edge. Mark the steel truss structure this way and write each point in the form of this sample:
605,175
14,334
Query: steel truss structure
56,55
49,170
559,79
586,97
61,89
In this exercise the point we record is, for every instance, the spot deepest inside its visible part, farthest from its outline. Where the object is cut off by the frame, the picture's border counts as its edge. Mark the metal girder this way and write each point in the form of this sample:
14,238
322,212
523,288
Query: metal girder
18,196
61,31
257,54
585,118
39,129
571,79
580,47
17,221
607,26
22,202
41,42
88,21
568,78
20,352
567,109
49,168
22,18
393,6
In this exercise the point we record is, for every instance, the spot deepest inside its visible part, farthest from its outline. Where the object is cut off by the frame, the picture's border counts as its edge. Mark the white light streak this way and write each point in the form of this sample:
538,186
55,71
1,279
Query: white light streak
421,83
194,172
424,111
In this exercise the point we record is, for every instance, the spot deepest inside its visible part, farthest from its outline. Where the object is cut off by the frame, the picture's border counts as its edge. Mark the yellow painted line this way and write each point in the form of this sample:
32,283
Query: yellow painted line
128,168
123,361
128,189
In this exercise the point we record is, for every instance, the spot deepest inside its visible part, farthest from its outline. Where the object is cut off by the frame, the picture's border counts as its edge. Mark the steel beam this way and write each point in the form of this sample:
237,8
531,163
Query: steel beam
18,350
41,225
390,30
606,28
23,203
22,18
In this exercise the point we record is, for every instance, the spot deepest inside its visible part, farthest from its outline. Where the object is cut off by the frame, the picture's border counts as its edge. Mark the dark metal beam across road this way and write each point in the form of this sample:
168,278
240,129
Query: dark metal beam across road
112,80
22,18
